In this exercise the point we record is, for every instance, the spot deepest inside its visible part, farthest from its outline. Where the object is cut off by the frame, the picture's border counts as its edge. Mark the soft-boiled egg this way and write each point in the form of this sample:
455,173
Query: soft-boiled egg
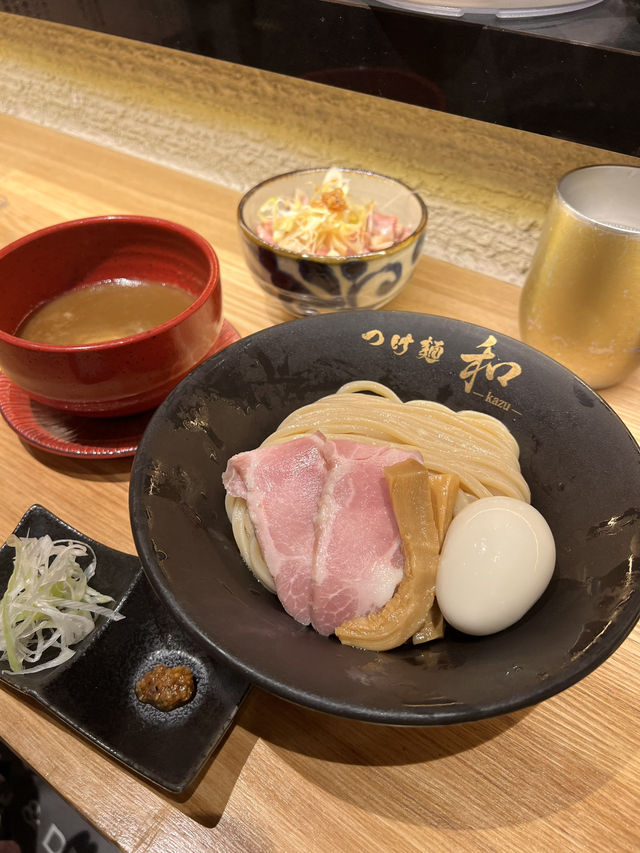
497,559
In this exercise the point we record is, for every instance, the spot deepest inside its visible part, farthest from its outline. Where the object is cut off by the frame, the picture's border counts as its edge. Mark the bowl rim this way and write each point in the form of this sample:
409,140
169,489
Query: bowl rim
250,234
581,665
202,243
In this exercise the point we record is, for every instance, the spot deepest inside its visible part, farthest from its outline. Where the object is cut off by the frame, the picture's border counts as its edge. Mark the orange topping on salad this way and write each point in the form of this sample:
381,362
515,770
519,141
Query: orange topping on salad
329,224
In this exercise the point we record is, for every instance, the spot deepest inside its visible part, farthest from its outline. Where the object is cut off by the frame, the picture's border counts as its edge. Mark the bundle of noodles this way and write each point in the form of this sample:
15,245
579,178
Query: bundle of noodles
473,450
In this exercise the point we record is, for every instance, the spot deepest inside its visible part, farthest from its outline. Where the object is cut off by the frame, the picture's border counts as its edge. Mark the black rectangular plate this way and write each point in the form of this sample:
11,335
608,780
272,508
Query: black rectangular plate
94,691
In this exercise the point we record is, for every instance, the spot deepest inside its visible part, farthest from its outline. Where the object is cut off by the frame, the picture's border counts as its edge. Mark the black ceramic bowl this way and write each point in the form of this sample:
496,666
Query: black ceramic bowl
582,464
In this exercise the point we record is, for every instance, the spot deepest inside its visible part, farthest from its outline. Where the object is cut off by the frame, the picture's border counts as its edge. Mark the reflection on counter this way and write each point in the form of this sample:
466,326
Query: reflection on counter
33,816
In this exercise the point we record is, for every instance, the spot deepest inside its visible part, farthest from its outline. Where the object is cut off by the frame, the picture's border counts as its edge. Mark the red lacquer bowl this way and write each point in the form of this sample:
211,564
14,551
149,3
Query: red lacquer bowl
119,377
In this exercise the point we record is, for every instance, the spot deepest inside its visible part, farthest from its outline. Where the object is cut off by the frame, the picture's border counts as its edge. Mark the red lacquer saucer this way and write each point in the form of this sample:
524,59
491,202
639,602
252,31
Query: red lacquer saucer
73,435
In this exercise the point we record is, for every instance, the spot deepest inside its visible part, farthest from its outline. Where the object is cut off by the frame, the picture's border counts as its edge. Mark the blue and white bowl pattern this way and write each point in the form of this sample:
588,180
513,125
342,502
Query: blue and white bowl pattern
308,284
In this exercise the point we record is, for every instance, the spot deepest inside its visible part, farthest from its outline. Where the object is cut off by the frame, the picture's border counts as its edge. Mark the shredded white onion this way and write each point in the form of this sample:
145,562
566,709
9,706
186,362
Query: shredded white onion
48,603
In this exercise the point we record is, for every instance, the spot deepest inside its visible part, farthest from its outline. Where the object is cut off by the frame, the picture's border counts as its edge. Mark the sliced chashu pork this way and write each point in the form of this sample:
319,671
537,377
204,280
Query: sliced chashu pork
358,561
325,524
282,485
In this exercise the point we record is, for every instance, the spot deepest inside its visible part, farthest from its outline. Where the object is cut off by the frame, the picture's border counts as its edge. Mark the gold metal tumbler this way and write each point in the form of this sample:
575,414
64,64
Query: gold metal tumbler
581,301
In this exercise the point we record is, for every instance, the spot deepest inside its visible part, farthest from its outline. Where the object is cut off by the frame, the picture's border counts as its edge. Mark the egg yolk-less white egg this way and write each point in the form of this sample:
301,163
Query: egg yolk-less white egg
497,559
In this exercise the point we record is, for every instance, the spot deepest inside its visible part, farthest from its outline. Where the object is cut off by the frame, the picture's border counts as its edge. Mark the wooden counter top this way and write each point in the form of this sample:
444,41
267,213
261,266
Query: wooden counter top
561,776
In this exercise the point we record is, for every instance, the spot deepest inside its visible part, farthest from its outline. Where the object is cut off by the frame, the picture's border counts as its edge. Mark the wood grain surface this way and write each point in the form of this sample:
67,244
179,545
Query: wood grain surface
561,776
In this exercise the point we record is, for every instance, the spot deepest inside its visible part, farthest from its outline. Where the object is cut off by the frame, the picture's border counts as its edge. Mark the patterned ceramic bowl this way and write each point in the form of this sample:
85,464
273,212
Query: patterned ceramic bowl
315,284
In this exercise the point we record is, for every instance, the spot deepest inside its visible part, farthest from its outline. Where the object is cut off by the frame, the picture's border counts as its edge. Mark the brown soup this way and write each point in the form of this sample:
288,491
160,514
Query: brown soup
104,311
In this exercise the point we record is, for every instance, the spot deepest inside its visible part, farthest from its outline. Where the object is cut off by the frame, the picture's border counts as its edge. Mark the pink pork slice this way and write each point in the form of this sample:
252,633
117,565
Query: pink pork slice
358,560
282,485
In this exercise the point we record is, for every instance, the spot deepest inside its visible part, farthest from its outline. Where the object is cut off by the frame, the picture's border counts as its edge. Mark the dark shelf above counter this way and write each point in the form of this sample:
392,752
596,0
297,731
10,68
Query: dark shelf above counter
573,76
612,24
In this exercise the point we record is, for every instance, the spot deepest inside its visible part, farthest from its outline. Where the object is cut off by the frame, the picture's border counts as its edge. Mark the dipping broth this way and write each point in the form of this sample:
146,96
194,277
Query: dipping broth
105,311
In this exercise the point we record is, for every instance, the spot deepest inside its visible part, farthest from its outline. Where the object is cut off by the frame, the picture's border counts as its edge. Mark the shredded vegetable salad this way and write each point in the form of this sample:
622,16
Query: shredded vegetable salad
330,223
48,603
